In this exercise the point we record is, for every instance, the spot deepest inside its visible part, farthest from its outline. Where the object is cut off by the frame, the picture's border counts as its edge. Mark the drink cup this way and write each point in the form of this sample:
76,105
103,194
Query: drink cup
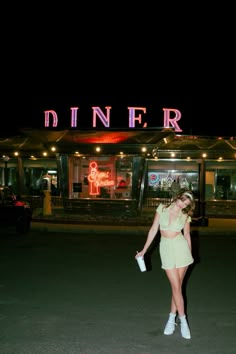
141,263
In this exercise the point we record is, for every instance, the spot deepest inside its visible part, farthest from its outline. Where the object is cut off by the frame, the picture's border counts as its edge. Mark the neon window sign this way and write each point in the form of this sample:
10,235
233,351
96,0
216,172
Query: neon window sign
98,179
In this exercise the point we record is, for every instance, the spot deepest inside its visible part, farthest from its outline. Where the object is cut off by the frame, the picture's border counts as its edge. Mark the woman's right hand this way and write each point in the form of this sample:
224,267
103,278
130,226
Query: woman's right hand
139,254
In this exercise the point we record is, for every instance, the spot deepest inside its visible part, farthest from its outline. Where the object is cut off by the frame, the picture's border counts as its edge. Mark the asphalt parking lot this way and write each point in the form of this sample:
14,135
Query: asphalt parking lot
82,292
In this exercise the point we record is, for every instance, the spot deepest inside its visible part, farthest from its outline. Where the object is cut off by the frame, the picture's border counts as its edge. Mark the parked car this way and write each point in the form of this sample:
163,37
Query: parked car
14,212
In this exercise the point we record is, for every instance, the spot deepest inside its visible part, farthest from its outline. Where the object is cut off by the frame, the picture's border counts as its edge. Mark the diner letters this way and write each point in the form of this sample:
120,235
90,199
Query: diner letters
171,117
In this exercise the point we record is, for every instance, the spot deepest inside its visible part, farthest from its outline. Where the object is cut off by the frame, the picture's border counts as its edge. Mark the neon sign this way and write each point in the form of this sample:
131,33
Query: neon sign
98,179
135,116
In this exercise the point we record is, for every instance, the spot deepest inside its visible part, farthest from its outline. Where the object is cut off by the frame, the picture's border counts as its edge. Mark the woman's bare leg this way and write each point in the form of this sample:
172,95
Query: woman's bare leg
176,277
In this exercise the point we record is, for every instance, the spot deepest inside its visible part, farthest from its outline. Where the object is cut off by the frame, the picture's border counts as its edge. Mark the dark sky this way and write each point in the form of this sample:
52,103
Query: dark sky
124,58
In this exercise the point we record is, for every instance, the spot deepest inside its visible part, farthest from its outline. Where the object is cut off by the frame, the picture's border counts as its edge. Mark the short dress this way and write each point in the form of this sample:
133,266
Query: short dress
174,252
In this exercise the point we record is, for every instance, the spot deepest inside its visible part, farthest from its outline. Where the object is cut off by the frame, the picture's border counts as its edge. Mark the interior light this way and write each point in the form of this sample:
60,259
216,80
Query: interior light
155,153
52,171
6,158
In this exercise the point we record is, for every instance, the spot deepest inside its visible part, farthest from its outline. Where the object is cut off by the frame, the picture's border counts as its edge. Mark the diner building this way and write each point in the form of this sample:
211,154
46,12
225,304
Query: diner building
120,171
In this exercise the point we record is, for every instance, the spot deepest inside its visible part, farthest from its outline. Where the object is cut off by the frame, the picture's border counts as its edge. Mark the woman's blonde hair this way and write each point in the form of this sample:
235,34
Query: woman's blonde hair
183,195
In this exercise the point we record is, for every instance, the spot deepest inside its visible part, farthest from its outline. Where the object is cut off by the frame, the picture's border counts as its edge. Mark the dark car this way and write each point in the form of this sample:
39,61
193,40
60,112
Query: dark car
14,212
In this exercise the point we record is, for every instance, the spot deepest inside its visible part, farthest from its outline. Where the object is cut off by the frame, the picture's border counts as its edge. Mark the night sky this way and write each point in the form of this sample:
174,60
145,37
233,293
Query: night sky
56,63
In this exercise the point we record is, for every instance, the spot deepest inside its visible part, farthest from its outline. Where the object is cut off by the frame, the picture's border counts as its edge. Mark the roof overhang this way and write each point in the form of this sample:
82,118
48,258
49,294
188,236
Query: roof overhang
35,141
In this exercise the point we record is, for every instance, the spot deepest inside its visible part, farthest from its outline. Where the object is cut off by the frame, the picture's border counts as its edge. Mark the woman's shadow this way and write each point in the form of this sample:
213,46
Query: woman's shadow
196,256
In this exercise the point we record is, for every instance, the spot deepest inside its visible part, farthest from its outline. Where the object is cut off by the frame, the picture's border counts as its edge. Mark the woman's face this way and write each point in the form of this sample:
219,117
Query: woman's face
183,202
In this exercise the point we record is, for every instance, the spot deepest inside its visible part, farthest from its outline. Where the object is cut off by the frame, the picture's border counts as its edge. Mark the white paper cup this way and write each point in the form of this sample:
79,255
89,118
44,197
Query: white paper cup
141,263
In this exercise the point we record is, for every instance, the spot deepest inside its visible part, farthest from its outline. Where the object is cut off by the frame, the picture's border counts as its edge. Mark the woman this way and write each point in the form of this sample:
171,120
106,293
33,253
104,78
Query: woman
175,252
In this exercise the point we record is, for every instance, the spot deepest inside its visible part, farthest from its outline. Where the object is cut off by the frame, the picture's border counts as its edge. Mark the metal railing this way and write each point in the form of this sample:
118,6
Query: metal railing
213,208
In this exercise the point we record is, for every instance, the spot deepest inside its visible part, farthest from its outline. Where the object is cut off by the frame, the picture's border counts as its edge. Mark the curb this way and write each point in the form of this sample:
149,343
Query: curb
141,230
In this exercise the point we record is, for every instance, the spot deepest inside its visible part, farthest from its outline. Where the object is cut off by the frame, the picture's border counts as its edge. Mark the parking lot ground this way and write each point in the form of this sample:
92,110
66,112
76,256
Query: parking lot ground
82,293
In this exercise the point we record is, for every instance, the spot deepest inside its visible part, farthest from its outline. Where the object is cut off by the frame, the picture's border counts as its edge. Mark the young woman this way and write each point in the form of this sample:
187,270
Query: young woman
175,252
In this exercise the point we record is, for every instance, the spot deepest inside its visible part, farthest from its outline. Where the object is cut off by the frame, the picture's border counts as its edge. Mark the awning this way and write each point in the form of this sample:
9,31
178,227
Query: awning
35,141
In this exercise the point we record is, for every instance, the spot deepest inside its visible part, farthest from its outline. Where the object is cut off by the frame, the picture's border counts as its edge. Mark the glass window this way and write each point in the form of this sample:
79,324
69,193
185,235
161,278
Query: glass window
163,181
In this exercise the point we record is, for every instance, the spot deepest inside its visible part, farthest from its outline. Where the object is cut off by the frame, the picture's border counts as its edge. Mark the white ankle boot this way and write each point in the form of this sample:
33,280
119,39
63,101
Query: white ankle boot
185,331
170,325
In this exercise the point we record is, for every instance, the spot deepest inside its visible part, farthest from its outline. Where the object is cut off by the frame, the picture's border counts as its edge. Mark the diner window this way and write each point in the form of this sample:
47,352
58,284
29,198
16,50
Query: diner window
123,187
164,184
